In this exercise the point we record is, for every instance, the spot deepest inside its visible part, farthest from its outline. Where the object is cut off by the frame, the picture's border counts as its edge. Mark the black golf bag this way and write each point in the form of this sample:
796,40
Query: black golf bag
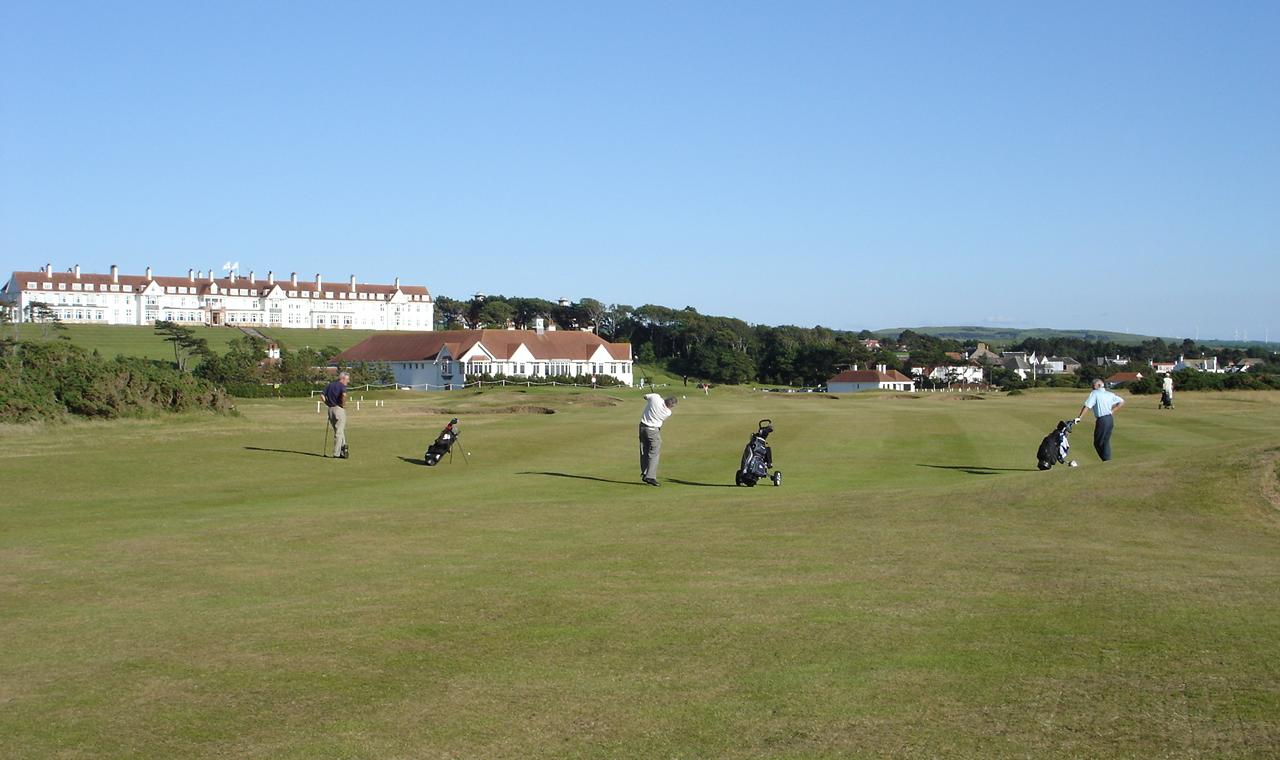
1166,400
1055,447
442,444
757,458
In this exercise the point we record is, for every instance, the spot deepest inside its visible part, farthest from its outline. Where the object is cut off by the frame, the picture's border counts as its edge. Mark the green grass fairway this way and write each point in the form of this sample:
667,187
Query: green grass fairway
208,587
129,340
124,340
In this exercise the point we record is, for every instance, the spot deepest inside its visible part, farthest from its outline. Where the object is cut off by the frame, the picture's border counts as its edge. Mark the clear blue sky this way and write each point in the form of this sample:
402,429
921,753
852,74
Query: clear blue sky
1102,165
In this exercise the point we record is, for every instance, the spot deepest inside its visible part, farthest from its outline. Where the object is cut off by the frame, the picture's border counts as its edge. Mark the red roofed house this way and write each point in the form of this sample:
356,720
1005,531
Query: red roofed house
443,359
854,380
200,299
1120,378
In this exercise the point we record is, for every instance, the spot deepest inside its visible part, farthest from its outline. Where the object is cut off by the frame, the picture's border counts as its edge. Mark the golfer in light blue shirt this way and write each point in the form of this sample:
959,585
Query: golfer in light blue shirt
1103,403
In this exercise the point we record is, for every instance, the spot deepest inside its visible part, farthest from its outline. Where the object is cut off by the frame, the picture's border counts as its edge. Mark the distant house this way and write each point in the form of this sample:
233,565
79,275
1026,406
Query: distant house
1244,365
1053,365
878,379
871,343
984,355
1163,368
1111,361
1121,378
444,359
1016,362
968,374
1069,366
1201,364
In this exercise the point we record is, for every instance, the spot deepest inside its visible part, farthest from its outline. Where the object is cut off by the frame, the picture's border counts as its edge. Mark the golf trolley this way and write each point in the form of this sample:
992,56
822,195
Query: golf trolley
1055,448
443,444
757,459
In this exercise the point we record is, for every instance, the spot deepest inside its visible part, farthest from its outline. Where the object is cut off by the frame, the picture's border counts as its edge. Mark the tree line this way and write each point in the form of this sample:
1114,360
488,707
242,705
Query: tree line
729,350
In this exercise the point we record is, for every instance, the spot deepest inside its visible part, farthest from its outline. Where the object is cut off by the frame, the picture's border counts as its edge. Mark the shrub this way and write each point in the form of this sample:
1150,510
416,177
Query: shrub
47,380
1146,385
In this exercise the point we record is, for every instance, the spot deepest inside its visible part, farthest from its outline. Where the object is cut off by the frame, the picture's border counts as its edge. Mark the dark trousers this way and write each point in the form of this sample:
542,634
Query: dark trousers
1102,436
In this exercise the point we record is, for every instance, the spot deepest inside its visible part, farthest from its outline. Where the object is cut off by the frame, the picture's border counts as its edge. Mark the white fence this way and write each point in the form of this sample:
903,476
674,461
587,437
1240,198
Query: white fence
490,383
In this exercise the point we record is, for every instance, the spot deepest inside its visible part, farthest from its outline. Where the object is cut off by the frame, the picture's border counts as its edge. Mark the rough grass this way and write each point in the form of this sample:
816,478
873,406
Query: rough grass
211,587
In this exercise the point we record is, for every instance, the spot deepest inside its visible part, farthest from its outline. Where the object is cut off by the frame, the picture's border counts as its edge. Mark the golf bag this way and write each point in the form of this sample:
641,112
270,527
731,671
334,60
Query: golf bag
1055,447
442,444
757,458
1166,400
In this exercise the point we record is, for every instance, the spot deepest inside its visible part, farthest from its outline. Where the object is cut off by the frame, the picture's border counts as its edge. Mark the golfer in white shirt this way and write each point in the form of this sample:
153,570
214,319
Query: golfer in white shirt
656,411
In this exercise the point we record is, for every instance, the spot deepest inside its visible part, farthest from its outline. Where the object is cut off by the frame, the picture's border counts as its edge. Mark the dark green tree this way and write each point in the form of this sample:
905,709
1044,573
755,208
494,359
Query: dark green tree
186,344
44,314
495,314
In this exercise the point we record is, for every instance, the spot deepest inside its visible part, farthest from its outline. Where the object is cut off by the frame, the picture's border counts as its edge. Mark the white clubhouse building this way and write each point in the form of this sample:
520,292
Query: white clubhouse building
443,359
202,299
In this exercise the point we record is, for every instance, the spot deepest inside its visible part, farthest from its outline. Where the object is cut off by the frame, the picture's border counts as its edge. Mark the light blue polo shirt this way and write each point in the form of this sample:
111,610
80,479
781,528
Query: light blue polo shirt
1102,401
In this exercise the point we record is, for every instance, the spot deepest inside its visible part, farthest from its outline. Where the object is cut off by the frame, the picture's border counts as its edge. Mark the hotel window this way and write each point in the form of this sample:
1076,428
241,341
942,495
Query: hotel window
62,286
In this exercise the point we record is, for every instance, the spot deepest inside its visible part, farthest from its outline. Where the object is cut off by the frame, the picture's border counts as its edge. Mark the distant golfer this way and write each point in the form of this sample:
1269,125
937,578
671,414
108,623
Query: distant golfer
335,397
1103,403
656,411
1166,392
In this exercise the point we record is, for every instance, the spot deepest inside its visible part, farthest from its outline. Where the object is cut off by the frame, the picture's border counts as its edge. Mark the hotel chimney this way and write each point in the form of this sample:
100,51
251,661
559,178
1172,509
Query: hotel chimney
76,269
353,283
148,273
271,277
539,326
397,283
253,279
210,274
191,275
48,271
319,282
115,273
293,279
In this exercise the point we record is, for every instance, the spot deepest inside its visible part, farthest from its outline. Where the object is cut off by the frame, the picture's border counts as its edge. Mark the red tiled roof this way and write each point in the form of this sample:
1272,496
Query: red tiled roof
500,344
1124,377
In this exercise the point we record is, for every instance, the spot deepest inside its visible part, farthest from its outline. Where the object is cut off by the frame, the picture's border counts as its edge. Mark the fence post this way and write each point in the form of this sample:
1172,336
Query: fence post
317,407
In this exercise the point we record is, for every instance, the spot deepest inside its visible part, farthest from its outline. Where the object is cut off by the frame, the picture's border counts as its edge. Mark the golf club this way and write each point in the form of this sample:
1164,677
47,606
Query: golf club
325,451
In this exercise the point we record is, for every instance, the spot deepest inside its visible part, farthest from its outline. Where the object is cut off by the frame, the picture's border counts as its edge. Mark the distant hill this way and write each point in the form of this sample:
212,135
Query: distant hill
1010,335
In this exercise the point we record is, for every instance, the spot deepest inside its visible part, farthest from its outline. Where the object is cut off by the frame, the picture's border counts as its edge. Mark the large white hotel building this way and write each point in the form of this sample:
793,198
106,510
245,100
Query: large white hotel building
202,299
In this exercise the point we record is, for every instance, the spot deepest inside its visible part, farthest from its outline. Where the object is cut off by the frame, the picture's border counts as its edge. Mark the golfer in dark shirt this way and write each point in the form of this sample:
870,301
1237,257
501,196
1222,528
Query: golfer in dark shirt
335,397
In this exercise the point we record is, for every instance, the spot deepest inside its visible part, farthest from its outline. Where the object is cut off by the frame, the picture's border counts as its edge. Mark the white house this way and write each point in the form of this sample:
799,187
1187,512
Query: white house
967,374
1202,364
443,359
854,380
1244,365
200,299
